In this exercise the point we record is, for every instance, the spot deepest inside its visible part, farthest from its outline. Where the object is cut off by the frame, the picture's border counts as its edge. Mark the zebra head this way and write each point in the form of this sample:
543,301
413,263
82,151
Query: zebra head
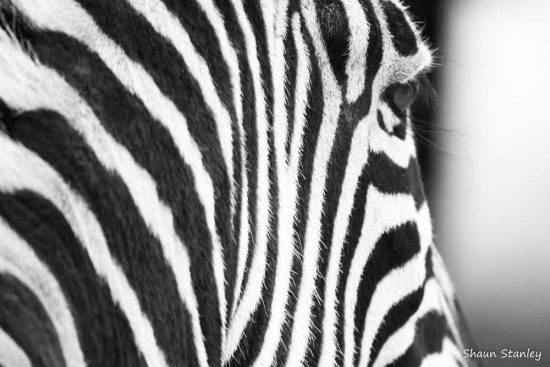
208,183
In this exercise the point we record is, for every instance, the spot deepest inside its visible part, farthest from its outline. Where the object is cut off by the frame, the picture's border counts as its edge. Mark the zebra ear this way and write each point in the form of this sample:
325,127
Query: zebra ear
335,31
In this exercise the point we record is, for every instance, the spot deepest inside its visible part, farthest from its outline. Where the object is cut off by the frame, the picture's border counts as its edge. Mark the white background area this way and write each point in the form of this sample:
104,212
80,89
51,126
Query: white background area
492,199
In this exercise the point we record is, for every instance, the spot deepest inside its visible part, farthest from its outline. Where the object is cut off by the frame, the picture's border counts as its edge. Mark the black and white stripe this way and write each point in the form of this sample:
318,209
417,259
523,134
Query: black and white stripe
208,183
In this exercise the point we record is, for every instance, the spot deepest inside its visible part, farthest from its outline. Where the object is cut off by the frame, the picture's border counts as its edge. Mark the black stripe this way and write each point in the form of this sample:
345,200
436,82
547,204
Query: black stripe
336,171
416,183
352,238
124,116
291,60
399,130
392,250
402,35
254,14
313,118
400,313
386,176
130,123
103,330
431,330
460,321
134,248
135,35
253,335
236,35
396,317
203,37
24,319
162,61
258,325
187,96
333,24
361,107
390,178
429,265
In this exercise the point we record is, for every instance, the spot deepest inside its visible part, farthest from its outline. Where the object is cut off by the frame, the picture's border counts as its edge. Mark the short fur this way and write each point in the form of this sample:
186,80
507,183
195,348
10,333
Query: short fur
215,183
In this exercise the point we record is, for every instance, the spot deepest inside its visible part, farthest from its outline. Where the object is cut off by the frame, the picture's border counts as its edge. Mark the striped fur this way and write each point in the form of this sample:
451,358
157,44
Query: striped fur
208,183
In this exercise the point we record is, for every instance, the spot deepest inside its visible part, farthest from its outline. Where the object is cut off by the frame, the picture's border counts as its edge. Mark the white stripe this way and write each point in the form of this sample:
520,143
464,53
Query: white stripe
230,56
396,68
332,97
166,24
68,17
252,292
231,60
11,355
358,44
26,171
288,189
359,154
391,120
303,75
228,52
19,260
424,226
169,26
398,343
268,14
398,150
278,66
383,212
281,20
244,237
260,108
35,86
400,5
447,293
448,357
395,286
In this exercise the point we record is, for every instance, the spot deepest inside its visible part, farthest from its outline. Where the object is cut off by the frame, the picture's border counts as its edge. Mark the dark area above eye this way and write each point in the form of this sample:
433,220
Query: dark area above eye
402,35
335,31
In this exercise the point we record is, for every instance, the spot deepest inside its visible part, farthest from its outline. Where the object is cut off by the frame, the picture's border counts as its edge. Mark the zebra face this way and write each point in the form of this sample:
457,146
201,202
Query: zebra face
377,61
210,183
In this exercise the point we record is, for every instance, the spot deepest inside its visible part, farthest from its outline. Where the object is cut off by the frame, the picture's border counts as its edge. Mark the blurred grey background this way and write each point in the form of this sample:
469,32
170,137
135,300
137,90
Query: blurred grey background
485,154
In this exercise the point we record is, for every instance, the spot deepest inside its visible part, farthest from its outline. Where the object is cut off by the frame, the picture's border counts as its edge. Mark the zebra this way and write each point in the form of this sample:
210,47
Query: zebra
216,183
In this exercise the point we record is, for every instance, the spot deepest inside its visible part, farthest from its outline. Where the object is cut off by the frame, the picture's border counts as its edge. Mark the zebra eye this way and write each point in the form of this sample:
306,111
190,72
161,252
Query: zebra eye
404,95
